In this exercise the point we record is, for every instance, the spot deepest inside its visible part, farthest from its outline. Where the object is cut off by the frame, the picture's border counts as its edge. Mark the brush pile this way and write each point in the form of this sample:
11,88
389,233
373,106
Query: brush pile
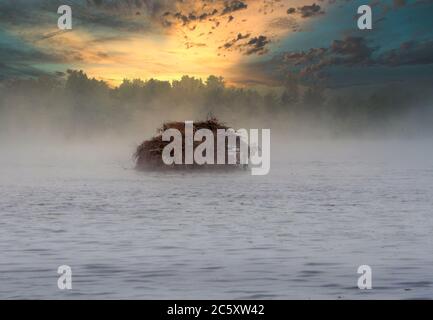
149,154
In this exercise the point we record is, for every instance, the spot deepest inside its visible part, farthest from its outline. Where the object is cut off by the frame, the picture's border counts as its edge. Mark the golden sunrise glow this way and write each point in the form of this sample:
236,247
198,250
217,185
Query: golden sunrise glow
195,49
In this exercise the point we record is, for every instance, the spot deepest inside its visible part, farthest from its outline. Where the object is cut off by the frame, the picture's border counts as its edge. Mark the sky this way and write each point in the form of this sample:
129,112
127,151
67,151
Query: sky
248,42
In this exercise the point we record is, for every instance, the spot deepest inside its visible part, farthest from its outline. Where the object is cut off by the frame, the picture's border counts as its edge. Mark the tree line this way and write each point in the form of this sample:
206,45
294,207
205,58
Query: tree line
75,104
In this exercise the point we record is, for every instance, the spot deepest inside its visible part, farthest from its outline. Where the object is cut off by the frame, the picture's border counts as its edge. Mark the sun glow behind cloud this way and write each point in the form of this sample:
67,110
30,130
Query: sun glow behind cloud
248,42
196,48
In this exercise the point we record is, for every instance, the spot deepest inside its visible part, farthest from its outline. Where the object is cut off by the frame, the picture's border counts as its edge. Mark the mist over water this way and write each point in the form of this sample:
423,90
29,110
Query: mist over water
73,108
326,207
344,189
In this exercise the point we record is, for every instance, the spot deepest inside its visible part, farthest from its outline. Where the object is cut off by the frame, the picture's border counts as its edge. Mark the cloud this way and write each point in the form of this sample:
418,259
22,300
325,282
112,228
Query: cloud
409,53
285,23
257,45
352,50
306,11
192,17
152,8
234,5
349,51
20,60
8,71
243,43
24,53
322,63
310,10
117,15
203,13
233,42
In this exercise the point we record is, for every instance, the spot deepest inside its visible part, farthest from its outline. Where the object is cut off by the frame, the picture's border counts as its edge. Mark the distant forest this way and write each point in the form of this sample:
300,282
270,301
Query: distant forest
77,105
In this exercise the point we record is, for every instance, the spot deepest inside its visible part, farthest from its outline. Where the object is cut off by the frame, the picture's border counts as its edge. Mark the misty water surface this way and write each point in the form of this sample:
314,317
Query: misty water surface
300,232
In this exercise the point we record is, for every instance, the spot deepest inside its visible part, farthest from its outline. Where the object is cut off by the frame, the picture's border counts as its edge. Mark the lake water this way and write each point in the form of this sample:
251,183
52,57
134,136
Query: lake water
300,232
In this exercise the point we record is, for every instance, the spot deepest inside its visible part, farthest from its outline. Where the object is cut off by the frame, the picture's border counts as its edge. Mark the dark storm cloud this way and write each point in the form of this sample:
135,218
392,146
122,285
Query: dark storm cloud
257,45
234,41
310,10
152,8
122,15
318,64
32,55
8,71
350,53
234,5
306,11
16,13
117,15
247,45
352,50
409,53
347,52
113,21
20,61
185,18
192,17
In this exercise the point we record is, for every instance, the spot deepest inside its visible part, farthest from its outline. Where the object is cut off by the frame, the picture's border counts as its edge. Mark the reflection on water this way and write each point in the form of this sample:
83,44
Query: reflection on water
300,232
